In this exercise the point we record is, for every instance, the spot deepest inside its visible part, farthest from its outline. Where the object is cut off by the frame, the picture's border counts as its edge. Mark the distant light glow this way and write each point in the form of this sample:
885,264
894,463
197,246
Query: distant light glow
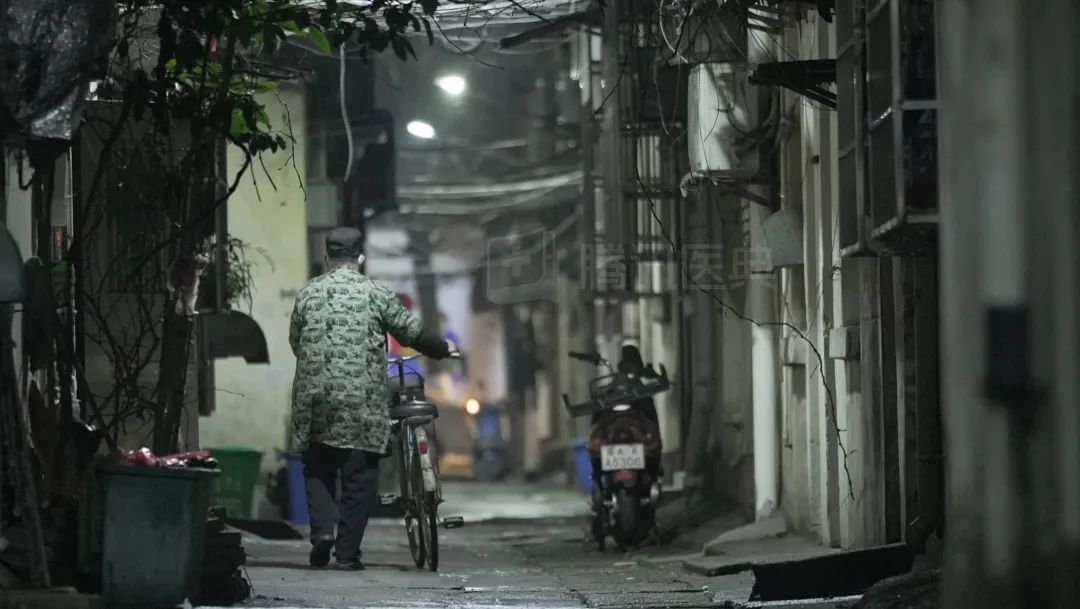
421,130
472,406
621,408
451,83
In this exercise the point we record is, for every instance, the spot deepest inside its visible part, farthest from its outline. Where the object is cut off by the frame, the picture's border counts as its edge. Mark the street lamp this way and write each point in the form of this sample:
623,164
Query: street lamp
452,84
421,130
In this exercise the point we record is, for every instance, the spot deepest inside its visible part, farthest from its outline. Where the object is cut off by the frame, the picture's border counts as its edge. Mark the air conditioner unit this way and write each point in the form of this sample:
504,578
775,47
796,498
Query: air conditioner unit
722,121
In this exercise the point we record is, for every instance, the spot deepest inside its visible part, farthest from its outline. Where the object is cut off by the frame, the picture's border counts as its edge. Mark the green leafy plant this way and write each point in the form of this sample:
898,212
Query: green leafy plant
239,278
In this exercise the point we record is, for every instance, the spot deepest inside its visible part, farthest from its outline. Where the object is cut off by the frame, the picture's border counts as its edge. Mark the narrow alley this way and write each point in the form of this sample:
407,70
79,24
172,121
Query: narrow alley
335,304
503,557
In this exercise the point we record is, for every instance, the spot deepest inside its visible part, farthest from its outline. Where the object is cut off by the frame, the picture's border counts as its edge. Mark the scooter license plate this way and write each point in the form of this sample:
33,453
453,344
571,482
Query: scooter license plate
622,456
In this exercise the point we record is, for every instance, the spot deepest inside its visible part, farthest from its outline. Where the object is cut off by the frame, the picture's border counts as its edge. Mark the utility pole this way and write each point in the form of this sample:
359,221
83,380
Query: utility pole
426,285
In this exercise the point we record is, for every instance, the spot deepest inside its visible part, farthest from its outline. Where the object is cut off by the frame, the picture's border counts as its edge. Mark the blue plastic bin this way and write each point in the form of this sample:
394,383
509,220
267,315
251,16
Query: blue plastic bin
584,466
298,508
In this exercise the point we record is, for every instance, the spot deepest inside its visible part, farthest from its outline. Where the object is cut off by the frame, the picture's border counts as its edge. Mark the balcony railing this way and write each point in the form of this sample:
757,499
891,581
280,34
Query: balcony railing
888,127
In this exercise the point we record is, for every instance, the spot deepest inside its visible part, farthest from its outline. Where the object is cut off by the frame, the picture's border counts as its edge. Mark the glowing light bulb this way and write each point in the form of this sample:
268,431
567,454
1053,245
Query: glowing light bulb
472,406
452,84
421,130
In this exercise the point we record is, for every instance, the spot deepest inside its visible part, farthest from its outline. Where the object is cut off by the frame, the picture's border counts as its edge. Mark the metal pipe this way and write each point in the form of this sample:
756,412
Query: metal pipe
765,384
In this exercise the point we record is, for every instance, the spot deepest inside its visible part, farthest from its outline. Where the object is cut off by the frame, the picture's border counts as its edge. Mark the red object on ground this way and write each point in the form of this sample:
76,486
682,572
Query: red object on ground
143,456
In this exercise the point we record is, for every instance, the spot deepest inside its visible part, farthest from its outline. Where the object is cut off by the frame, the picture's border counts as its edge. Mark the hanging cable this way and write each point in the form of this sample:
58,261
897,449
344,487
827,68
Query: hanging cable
345,112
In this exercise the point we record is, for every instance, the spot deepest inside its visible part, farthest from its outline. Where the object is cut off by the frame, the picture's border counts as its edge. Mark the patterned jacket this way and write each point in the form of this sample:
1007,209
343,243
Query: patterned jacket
338,332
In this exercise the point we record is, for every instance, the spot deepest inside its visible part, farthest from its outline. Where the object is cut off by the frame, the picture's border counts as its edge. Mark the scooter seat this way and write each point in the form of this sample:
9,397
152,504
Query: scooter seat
414,410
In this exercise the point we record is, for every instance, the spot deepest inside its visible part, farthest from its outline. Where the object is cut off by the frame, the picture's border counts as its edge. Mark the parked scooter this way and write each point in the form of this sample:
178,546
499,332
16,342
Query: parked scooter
624,446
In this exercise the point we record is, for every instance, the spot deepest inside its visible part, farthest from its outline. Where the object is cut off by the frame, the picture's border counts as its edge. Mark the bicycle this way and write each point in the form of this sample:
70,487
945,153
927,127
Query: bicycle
421,492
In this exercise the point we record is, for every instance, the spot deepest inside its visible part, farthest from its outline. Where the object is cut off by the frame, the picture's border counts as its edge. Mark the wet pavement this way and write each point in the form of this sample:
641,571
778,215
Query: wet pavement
501,558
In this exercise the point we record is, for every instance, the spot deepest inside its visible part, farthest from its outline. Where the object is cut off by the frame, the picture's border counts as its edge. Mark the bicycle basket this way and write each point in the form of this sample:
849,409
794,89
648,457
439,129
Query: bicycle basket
409,388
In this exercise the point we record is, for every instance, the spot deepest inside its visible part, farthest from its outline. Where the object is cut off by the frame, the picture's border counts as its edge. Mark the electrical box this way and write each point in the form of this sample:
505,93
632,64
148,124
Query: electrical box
722,121
323,204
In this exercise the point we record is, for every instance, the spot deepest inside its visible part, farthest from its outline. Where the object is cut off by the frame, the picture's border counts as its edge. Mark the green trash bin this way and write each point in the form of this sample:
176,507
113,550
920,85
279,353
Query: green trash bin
150,524
235,489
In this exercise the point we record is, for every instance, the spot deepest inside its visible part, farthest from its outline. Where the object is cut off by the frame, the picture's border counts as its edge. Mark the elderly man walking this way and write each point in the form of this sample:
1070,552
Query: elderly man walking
340,417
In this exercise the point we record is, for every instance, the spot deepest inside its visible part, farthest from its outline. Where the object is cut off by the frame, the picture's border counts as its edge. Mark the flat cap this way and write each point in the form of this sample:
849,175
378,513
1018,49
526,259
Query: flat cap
344,242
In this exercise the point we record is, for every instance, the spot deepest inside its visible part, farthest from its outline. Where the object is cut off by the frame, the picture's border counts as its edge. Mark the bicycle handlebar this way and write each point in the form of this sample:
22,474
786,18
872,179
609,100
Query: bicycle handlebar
402,359
409,358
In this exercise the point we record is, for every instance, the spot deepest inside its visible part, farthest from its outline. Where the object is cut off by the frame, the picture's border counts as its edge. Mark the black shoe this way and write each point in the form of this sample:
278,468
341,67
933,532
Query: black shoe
320,552
349,565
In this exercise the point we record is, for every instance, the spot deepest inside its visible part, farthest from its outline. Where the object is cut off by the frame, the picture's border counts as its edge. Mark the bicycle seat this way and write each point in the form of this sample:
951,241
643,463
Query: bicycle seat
414,410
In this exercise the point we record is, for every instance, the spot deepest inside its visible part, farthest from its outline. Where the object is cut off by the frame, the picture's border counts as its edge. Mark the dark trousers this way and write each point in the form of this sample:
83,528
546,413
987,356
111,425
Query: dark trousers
358,472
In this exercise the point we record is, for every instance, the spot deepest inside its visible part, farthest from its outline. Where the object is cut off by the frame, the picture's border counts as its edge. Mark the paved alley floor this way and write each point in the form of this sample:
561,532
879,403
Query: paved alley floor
520,548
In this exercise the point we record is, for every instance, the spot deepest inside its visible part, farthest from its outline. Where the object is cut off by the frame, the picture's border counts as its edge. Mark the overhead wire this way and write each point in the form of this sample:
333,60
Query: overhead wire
345,113
443,208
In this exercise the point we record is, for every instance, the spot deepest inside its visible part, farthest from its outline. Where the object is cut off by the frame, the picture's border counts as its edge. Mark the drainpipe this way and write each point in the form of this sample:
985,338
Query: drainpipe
766,432
761,47
765,382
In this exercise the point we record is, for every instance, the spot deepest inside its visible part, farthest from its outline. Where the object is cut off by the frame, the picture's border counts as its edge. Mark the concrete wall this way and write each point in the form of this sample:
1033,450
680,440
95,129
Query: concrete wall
731,440
795,455
253,401
830,384
841,494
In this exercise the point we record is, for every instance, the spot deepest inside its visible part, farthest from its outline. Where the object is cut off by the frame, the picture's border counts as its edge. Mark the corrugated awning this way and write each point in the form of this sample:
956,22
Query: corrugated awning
233,334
